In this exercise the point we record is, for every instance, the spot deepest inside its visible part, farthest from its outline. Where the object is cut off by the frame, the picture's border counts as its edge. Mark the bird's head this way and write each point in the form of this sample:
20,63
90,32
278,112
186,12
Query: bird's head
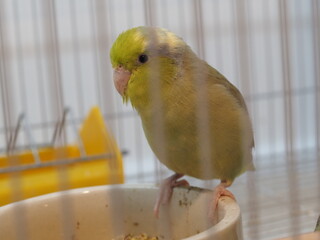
141,53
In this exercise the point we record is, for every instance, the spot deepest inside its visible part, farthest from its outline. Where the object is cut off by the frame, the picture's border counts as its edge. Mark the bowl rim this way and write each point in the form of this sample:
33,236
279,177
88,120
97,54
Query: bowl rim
230,206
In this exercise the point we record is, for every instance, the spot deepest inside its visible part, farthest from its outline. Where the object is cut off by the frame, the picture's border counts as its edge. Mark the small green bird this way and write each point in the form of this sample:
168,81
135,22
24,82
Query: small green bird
194,119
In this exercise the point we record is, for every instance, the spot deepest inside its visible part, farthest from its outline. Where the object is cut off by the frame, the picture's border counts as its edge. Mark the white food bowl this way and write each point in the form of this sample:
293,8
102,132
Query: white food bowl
105,212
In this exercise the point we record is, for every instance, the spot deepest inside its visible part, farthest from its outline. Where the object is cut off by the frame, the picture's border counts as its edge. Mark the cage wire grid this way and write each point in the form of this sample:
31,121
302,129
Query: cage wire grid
55,54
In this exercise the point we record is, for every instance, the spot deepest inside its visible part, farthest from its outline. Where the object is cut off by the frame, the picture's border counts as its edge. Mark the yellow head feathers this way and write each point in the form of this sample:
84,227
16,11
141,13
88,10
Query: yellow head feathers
152,41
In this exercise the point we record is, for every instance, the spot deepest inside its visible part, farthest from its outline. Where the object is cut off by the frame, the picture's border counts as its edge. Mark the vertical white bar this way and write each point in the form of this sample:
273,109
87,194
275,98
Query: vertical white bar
199,28
102,43
7,93
19,58
293,186
95,58
53,55
157,119
76,57
42,98
244,53
200,83
316,59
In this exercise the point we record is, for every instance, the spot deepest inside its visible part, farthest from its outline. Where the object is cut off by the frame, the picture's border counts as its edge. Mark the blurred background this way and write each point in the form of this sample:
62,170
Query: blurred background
55,54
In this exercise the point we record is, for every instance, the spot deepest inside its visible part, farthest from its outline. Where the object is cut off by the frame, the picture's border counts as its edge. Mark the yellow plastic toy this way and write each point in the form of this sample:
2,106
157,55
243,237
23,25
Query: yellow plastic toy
63,168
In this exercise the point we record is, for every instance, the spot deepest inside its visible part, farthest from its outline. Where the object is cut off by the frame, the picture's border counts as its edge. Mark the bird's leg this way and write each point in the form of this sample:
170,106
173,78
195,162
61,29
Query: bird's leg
166,189
218,192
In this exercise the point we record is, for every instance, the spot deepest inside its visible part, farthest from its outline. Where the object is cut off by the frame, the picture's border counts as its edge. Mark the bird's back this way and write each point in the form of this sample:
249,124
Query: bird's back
206,130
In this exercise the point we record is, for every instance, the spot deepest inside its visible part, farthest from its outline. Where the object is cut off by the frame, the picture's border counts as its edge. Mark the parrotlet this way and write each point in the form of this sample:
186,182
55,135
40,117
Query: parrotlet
194,119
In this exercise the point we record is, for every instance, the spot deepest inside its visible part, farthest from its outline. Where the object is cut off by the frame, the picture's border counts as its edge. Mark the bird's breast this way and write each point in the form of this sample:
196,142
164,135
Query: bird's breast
212,145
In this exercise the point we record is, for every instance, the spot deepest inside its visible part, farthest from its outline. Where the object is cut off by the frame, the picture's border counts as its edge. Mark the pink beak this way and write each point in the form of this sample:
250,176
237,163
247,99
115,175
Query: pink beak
121,78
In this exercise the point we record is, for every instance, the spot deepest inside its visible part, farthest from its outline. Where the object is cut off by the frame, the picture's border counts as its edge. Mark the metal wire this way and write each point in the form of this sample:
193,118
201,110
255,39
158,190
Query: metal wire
269,49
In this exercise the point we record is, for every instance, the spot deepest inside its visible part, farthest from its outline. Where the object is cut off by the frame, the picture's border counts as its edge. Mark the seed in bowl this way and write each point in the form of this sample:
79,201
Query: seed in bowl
141,236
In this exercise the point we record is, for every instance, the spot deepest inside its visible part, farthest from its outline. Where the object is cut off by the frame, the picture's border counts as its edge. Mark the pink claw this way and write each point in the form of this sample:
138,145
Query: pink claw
166,190
218,192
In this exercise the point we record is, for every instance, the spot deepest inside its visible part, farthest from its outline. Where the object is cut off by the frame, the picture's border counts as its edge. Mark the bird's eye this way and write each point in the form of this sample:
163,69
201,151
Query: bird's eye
143,58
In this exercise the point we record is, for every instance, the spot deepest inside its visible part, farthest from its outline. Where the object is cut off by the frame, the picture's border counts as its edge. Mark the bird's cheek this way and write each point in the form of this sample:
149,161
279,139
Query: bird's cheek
121,78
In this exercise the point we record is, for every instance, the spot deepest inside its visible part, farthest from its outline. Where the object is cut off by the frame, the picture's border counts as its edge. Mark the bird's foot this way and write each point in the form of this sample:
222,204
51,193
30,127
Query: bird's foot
166,190
218,192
